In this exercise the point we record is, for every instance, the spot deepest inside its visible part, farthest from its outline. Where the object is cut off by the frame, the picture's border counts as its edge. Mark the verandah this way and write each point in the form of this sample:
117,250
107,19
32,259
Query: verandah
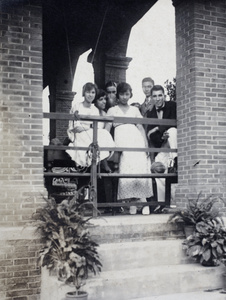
94,173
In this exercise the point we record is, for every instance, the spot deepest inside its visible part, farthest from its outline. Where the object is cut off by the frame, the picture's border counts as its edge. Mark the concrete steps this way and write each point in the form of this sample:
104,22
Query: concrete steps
142,258
141,254
134,228
157,280
198,295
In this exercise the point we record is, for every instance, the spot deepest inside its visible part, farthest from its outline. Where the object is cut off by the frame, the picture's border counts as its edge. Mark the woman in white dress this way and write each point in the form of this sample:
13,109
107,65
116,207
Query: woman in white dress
131,162
81,132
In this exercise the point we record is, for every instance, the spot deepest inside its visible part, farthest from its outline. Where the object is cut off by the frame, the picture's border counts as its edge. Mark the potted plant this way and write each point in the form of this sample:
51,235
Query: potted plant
68,248
207,245
197,209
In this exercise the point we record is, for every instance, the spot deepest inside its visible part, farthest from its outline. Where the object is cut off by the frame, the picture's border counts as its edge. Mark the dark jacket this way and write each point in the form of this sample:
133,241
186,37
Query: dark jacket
169,112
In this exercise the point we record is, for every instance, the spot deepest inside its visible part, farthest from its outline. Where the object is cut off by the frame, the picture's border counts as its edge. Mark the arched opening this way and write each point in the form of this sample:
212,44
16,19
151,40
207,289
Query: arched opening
152,45
83,73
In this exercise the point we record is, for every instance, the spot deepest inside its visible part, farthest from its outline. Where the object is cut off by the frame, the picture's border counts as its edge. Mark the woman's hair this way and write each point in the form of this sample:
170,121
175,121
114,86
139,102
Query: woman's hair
123,87
88,87
157,88
100,93
110,83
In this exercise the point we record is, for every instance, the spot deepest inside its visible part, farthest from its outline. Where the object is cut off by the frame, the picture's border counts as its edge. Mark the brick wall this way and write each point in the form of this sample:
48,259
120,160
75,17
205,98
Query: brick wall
19,273
21,159
201,92
21,149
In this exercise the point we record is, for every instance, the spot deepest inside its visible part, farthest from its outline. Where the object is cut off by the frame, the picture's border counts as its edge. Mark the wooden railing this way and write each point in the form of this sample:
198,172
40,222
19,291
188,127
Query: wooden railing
170,177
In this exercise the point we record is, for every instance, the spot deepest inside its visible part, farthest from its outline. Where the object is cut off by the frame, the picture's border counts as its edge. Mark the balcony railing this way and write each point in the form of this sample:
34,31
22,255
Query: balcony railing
94,174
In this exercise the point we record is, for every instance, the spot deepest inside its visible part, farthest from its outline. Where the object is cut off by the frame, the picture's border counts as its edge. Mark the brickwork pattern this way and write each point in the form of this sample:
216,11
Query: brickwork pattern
21,149
19,273
63,104
201,92
21,159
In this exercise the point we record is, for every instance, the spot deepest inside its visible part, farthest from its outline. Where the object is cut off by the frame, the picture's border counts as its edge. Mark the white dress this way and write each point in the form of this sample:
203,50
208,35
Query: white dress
85,138
129,135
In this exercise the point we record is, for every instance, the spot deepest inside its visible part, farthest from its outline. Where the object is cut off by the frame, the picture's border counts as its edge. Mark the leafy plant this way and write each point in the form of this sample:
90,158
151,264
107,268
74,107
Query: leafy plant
197,209
68,248
171,89
207,244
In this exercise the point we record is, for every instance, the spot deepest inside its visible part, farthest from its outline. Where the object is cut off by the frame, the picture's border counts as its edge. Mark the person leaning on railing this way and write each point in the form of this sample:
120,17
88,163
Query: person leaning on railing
131,162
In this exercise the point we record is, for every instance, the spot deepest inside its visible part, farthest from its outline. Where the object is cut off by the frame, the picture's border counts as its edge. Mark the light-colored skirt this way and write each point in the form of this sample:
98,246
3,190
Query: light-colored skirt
132,162
85,139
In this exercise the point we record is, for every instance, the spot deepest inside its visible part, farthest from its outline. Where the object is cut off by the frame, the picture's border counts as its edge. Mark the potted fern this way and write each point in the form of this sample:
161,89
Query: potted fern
207,245
68,249
197,209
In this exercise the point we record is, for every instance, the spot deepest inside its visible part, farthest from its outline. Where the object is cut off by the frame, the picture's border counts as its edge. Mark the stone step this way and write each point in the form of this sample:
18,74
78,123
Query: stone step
142,257
216,294
133,228
140,282
141,254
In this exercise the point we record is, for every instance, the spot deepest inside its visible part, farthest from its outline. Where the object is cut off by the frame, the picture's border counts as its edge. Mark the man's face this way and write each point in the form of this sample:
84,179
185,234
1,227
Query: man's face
158,97
147,86
111,91
111,96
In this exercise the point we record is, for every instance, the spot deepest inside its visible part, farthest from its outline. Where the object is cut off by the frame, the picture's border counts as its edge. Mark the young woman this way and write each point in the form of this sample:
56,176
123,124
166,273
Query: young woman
81,132
131,162
100,103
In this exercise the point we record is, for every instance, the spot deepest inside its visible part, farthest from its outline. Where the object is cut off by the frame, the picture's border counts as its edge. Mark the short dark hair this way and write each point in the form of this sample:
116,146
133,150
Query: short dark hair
110,83
157,87
88,87
123,87
148,79
100,93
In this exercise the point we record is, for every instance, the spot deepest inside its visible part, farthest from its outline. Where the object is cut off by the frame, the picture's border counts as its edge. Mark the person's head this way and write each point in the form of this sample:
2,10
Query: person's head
147,84
101,99
111,88
158,95
124,92
89,92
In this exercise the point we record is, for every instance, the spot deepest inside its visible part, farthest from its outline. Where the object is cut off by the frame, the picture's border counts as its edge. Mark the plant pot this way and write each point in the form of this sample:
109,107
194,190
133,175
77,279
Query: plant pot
73,295
189,230
208,264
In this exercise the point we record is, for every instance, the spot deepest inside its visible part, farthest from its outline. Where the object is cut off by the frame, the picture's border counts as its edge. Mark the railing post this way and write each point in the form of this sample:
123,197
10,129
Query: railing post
94,169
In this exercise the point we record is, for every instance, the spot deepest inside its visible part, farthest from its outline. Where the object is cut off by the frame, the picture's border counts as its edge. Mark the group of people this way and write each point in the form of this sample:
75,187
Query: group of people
114,102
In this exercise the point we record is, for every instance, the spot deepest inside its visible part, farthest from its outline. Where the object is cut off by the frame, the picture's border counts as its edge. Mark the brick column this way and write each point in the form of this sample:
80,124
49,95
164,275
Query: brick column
63,104
201,93
21,149
111,64
115,68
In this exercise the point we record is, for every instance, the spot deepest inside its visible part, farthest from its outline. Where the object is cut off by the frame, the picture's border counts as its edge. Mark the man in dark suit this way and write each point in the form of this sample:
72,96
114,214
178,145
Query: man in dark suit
162,135
162,109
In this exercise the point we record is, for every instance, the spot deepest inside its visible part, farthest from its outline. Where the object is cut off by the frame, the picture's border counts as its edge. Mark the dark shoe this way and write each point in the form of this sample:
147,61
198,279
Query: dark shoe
159,209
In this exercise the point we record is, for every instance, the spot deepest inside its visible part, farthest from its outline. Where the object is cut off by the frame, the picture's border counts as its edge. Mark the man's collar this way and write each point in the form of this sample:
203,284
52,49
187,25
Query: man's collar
160,108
